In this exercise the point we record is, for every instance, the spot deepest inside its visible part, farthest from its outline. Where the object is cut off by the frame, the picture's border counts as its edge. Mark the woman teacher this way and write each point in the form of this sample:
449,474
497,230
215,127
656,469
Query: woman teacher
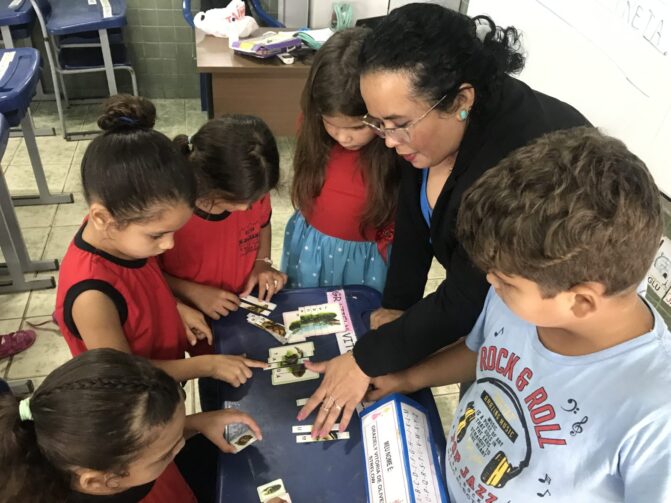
437,87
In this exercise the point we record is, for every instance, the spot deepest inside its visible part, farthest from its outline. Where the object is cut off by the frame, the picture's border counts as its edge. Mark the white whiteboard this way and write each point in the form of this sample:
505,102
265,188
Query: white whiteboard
611,59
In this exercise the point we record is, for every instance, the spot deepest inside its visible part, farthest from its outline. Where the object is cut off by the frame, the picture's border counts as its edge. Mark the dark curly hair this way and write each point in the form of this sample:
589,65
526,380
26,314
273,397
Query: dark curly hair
96,411
572,207
442,49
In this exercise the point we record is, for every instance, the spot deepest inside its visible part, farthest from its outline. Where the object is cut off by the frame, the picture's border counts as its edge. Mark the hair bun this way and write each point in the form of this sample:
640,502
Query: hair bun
126,111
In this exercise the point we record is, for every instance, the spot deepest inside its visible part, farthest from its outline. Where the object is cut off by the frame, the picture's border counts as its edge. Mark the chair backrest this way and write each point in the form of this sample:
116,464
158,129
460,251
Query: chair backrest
263,16
4,136
186,12
42,10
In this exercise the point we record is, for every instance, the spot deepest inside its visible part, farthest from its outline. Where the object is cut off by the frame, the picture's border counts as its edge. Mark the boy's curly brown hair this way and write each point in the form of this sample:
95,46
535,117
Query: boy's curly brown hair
574,206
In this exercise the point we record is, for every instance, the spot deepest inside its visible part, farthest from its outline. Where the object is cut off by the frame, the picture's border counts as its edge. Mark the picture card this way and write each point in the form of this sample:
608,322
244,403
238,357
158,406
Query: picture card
254,305
281,365
292,353
307,428
282,498
275,329
244,439
321,319
307,439
292,323
301,401
296,373
271,490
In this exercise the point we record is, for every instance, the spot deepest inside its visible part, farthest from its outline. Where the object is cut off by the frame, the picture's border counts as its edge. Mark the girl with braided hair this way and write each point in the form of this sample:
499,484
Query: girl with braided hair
104,426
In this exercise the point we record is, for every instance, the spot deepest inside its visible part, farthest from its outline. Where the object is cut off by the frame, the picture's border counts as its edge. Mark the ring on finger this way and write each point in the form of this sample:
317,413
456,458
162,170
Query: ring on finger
337,406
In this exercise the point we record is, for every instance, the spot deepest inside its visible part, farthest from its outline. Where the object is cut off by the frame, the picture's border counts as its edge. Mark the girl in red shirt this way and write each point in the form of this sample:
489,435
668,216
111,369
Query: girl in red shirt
345,180
103,427
111,292
224,249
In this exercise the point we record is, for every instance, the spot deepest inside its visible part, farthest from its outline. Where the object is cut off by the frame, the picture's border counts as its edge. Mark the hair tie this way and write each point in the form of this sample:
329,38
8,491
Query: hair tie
24,410
128,120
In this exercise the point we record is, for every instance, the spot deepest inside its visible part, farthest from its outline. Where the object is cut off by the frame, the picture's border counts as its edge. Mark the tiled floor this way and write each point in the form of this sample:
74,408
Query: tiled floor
49,229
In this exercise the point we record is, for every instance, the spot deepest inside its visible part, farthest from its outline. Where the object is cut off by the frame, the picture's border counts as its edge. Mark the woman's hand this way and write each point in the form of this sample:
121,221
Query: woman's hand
270,281
214,302
213,424
381,316
194,322
233,369
343,387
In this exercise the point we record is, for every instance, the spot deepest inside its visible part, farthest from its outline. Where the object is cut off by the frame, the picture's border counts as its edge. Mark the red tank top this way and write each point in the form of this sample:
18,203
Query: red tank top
170,487
218,250
147,309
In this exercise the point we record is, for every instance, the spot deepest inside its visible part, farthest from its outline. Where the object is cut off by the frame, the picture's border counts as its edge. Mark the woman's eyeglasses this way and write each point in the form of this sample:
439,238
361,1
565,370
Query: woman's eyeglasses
399,134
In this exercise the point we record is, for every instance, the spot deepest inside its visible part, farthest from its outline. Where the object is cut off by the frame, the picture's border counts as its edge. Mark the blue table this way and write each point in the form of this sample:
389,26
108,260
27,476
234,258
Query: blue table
326,472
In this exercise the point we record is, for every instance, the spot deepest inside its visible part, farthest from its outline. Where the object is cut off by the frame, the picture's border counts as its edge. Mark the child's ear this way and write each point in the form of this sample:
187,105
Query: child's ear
100,217
94,481
587,298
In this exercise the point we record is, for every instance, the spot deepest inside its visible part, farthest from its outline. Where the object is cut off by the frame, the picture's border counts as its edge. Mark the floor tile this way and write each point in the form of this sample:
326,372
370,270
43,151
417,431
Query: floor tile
36,216
53,150
7,326
10,150
445,390
437,271
42,302
21,179
447,406
431,286
59,240
13,305
34,238
48,352
73,182
71,214
82,145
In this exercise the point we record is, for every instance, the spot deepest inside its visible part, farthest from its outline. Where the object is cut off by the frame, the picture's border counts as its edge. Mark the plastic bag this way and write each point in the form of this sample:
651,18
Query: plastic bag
229,22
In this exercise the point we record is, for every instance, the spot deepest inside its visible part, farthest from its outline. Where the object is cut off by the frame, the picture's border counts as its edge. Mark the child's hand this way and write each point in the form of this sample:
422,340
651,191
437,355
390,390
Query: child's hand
214,302
381,316
270,281
213,424
195,324
233,369
386,385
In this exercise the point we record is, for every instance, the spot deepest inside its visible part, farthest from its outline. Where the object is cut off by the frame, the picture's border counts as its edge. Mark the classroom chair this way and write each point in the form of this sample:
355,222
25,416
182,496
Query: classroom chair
17,259
83,37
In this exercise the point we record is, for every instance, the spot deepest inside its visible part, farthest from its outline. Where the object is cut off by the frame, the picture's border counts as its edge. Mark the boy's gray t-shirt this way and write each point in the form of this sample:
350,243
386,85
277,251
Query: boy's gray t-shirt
539,426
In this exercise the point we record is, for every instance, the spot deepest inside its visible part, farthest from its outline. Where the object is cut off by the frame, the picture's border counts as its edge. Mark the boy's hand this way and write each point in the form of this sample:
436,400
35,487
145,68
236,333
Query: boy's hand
270,281
233,369
386,385
213,424
194,322
214,302
381,316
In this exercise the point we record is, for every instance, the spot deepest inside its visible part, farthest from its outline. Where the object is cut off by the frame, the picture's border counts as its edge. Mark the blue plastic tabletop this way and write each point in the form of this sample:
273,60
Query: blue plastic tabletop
325,472
75,16
18,83
21,14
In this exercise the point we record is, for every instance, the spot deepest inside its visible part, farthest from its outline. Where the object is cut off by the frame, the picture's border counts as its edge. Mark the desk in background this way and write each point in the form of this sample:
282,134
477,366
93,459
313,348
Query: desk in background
329,472
266,88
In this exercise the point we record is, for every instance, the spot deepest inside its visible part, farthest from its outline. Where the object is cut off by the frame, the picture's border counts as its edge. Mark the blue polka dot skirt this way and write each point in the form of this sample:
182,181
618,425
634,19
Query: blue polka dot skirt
312,259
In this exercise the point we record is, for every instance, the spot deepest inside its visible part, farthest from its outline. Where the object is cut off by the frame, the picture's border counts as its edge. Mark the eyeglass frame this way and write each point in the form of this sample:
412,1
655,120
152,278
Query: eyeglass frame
383,131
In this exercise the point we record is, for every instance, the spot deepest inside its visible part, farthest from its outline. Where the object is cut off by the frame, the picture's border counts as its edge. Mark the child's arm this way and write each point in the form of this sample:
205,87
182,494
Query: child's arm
98,323
214,302
212,425
270,280
452,365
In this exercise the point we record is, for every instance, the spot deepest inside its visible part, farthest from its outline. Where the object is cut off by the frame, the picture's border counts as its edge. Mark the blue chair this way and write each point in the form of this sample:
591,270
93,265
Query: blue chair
16,21
17,88
13,247
81,37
